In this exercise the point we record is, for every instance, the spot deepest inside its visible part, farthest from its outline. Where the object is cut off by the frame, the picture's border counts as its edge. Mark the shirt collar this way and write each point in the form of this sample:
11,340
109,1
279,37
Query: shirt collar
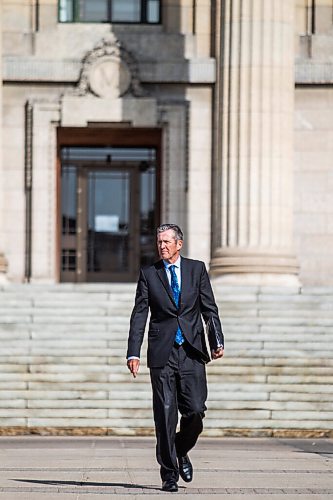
167,264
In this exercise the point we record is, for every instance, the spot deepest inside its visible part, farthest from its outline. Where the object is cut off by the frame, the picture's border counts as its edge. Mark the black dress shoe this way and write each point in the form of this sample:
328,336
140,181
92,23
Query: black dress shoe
170,485
185,468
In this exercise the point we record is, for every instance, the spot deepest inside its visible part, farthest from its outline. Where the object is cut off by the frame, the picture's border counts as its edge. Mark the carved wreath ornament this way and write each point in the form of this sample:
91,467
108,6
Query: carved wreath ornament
109,71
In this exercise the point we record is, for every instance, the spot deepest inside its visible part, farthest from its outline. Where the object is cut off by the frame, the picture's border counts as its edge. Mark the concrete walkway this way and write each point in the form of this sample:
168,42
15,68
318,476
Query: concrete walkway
72,468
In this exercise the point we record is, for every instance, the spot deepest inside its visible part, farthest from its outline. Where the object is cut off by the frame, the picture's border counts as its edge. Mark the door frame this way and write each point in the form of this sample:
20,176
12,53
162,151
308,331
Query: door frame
112,137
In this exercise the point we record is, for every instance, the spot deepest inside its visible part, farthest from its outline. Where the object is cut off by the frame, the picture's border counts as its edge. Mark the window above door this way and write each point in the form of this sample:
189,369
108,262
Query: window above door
110,11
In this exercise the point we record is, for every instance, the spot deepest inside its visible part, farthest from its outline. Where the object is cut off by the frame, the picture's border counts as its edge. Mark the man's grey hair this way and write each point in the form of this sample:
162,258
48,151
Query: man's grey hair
176,229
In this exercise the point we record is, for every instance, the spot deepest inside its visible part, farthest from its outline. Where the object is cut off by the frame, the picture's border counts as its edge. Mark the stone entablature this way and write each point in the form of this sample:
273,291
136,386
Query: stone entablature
32,69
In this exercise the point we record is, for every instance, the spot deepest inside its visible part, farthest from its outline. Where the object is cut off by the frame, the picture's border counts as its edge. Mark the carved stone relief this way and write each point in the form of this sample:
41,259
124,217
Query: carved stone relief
109,77
109,70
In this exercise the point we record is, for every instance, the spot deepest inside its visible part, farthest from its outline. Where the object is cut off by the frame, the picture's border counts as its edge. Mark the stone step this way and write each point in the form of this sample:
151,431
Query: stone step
104,376
141,409
286,425
65,314
120,341
130,426
224,290
127,299
67,327
113,364
285,329
119,329
143,384
62,359
282,321
294,299
118,325
73,299
301,396
120,374
279,386
292,304
119,338
145,413
63,318
38,399
103,349
136,414
227,363
232,330
60,288
298,313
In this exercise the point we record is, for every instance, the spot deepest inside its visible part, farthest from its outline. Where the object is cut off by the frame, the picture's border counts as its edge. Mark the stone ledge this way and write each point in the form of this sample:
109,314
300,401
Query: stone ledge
311,72
30,69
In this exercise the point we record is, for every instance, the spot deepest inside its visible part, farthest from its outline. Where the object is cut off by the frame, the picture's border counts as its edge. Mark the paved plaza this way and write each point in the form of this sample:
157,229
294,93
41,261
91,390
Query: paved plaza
86,468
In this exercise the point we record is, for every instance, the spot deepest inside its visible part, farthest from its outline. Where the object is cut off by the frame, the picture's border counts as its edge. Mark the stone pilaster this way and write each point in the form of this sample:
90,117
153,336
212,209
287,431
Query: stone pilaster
3,264
253,165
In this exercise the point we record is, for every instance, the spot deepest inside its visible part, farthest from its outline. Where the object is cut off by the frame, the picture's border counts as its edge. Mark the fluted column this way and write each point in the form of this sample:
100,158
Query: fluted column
3,265
252,175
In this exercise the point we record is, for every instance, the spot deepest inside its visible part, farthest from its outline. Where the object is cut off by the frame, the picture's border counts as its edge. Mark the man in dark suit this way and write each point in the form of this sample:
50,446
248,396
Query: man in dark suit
178,293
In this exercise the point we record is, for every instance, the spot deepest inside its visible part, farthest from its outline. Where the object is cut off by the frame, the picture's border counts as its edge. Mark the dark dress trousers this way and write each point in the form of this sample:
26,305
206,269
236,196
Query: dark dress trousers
177,372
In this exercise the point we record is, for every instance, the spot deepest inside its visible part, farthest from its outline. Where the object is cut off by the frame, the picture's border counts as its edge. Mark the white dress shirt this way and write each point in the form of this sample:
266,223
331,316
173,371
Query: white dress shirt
177,264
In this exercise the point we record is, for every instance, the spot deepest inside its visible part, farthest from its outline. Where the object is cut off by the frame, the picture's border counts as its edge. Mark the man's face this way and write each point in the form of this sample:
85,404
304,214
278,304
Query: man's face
168,246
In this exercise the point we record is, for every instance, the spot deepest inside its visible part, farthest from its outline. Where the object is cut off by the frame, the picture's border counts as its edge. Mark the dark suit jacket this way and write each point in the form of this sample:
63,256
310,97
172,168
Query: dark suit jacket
154,293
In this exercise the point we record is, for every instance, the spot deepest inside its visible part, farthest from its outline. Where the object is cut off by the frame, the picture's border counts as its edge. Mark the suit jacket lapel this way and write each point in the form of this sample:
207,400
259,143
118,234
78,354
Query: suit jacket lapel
161,273
184,272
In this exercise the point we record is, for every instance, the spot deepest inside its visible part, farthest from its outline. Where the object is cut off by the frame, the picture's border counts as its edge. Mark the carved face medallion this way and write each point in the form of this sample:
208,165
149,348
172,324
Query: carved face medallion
109,77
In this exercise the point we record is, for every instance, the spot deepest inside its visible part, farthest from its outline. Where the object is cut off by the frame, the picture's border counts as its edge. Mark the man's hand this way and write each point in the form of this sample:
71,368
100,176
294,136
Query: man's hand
133,366
218,353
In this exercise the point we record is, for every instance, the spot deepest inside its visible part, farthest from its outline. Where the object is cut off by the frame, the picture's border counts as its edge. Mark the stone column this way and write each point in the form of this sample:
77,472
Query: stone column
253,159
3,264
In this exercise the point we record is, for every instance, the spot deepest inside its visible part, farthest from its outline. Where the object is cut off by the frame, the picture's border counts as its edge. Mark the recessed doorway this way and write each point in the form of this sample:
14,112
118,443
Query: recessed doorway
108,212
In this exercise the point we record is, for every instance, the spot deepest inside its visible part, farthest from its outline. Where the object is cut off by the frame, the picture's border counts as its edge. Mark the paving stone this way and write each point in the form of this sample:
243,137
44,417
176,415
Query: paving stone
36,468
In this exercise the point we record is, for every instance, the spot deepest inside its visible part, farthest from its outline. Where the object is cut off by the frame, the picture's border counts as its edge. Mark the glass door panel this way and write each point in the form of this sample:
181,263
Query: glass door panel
109,222
109,212
69,221
147,213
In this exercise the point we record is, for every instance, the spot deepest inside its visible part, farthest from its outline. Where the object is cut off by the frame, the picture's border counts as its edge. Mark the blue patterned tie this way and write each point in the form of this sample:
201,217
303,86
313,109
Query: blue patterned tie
179,339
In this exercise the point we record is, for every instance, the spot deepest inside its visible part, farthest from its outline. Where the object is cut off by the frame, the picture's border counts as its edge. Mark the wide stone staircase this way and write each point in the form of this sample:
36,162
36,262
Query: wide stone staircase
63,369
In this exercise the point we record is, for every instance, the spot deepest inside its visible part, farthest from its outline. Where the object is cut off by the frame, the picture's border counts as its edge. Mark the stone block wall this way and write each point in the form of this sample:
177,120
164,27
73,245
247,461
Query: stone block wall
313,183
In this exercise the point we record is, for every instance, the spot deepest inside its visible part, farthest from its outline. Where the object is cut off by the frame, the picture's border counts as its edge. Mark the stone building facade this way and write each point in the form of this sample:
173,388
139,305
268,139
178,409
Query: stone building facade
117,115
216,115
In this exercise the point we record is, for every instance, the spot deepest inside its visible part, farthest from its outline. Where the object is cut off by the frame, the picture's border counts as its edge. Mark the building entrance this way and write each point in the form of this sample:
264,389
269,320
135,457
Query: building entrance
108,212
